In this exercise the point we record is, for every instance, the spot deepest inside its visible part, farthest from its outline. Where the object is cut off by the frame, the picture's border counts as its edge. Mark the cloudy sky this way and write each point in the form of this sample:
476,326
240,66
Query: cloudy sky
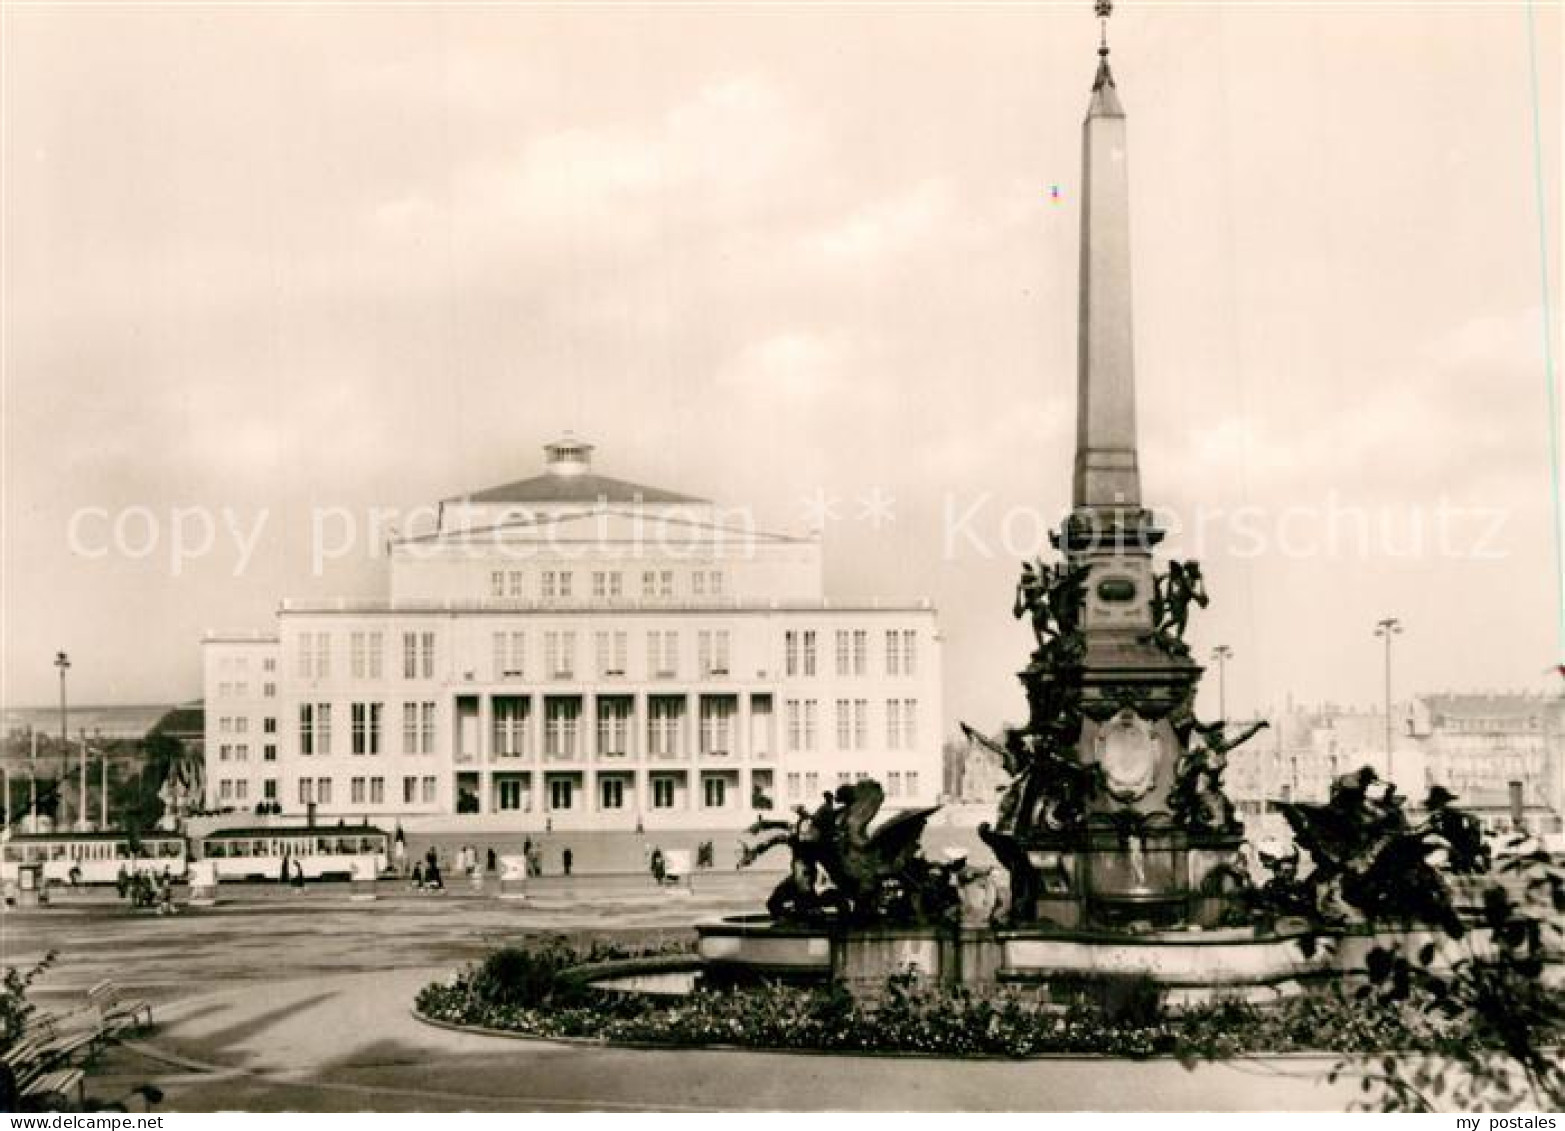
264,259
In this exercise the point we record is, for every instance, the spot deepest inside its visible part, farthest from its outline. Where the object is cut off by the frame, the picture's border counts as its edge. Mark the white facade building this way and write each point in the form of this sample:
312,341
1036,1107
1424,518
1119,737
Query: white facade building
575,652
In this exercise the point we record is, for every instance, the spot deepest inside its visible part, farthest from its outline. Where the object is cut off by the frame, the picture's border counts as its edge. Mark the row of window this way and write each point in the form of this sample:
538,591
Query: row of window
239,689
560,584
369,790
509,651
615,713
366,655
365,729
512,794
611,653
239,665
898,783
802,718
800,652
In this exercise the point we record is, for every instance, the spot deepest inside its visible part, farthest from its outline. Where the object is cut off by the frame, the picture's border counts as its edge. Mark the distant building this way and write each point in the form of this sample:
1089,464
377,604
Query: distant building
575,651
1473,745
1498,754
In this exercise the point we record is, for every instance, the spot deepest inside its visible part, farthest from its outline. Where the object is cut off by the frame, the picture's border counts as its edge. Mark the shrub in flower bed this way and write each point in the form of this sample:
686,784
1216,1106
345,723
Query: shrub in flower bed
531,992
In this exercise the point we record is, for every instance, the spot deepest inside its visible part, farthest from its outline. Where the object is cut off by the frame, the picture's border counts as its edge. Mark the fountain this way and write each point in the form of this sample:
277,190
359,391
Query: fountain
1124,856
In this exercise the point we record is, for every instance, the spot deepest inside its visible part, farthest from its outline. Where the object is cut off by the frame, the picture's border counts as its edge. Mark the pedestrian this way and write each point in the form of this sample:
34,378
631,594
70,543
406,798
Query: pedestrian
399,853
284,872
298,874
418,875
659,868
490,862
548,824
431,861
565,860
122,881
432,878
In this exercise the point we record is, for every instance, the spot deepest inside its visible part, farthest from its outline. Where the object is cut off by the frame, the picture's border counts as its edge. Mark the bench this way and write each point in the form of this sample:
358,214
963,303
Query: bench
54,1087
37,1068
115,1010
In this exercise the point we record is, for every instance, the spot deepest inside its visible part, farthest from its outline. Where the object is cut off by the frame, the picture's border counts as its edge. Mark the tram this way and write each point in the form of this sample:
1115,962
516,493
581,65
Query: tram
92,858
322,852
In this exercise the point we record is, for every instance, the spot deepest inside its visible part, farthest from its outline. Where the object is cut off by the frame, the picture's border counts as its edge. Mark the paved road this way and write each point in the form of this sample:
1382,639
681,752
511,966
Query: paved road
282,1002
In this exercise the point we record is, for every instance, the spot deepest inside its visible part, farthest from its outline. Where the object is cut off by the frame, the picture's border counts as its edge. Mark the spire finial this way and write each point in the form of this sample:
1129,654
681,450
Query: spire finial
1104,9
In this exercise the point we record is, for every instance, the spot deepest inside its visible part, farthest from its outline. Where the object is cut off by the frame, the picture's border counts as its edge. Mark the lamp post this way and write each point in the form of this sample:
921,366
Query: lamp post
63,662
1387,628
1222,654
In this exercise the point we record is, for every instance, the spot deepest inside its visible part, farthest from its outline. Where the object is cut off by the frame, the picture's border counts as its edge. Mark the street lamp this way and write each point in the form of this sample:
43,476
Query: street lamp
1387,628
63,662
1222,654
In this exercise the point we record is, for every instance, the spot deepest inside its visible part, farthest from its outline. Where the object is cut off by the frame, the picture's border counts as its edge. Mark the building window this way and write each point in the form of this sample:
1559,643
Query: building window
418,655
717,717
365,654
811,724
809,652
894,784
901,724
510,652
812,784
509,795
714,583
409,790
662,793
614,726
497,583
269,690
912,783
666,583
560,793
844,725
611,649
561,715
314,655
418,728
510,726
712,649
649,583
844,652
225,752
663,654
429,790
611,793
365,720
269,664
793,787
377,791
306,791
663,718
269,725
607,583
323,791
269,752
714,792
909,652
790,653
559,650
314,728
356,791
793,713
269,789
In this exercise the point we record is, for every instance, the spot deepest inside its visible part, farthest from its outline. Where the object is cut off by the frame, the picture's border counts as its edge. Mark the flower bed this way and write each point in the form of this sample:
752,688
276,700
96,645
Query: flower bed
545,992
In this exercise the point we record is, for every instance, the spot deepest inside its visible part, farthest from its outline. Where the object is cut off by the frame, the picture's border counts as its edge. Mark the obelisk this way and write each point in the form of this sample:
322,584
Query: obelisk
1129,684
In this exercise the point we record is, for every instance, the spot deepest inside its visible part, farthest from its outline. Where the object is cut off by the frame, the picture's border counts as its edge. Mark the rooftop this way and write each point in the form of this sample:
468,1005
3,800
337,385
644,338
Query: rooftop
568,478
